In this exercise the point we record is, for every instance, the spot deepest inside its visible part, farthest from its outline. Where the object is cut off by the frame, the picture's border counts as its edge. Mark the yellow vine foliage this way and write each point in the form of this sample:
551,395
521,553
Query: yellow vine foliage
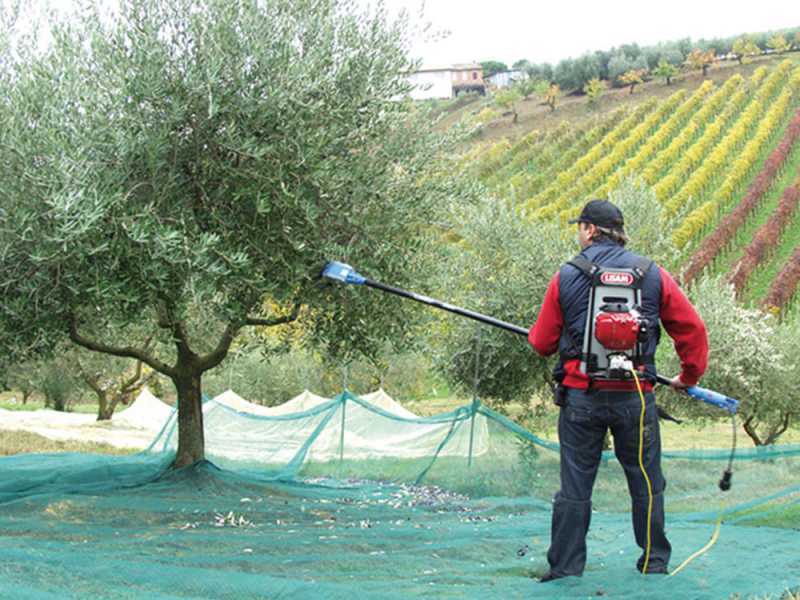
704,165
711,107
564,180
738,173
656,141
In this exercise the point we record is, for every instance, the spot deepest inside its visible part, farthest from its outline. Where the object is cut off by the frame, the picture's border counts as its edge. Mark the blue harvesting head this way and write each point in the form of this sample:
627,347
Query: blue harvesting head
342,272
714,398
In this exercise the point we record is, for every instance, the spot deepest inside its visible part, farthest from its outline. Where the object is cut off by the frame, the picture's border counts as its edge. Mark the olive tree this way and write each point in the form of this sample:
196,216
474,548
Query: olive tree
111,379
752,357
183,169
500,265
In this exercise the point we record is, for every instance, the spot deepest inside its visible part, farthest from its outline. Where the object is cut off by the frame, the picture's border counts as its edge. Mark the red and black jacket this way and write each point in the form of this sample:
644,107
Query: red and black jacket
562,319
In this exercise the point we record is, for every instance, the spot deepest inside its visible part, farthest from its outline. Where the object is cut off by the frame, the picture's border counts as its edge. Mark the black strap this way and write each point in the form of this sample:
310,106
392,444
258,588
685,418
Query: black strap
584,265
642,265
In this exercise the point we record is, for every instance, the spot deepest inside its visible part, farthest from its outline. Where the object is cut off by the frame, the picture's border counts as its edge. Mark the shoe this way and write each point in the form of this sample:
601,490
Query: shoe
549,576
654,570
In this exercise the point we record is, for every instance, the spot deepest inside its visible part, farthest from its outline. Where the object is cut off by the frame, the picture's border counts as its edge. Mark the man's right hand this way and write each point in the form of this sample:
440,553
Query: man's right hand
676,384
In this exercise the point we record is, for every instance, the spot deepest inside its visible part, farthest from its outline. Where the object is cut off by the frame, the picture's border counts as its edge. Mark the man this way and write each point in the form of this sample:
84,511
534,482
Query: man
589,407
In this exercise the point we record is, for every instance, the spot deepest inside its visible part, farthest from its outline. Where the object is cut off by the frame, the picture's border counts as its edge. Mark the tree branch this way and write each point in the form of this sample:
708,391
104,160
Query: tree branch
124,351
167,320
91,381
751,430
257,321
211,360
773,436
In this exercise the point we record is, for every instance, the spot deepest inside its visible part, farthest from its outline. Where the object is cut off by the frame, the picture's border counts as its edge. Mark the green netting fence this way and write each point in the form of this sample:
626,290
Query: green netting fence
349,500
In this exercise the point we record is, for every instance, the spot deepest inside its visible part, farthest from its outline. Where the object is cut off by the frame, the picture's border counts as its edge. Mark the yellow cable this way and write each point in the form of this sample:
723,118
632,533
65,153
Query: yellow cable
705,548
644,473
718,525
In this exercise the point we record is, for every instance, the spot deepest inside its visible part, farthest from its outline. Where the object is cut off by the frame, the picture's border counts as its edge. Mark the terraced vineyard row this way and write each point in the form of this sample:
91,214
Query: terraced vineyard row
766,239
731,226
761,129
713,155
785,286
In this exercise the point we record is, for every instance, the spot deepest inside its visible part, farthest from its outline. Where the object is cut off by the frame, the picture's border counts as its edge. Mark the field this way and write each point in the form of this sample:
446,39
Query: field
721,154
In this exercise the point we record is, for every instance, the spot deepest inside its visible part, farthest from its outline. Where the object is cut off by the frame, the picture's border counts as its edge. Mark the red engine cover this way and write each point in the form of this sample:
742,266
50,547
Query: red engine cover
616,331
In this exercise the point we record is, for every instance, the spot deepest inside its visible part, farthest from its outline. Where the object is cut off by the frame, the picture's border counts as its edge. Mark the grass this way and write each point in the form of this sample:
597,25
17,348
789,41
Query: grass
18,442
13,401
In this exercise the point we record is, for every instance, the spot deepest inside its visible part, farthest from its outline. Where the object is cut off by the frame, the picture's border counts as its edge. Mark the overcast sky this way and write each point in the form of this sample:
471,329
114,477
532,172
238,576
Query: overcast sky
548,31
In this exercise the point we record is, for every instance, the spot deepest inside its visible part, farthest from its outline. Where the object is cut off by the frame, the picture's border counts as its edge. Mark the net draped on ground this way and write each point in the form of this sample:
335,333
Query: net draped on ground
357,497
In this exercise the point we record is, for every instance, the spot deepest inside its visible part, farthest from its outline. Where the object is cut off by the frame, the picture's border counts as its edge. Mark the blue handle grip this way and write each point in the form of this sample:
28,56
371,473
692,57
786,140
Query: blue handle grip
714,398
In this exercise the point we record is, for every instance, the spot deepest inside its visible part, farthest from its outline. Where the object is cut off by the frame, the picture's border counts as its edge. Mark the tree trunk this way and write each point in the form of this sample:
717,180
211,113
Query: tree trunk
750,430
669,80
103,405
774,431
191,439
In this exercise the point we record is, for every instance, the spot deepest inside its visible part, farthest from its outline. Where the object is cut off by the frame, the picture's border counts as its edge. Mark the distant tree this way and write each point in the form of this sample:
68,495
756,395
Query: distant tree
652,56
527,87
564,73
22,377
618,65
113,380
744,48
523,64
633,51
551,96
593,89
701,60
718,45
666,70
586,67
507,99
56,381
542,71
684,45
601,58
779,44
673,56
633,78
490,67
760,39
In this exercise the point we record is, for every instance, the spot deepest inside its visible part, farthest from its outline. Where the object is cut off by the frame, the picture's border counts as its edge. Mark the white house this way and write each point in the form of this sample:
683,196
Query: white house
504,79
447,82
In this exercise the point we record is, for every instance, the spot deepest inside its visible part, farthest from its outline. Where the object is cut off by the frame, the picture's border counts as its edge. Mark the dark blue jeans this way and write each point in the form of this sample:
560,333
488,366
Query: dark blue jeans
582,426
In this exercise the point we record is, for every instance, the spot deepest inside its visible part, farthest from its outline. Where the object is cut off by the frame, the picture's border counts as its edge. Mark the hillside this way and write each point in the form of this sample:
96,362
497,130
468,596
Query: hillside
721,154
574,108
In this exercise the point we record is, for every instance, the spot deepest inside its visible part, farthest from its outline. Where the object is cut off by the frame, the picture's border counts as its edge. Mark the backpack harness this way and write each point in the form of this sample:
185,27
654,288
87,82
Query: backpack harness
615,328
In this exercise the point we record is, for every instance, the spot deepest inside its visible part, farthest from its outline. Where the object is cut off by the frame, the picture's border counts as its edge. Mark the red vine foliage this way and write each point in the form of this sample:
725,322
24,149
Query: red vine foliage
765,239
719,239
785,283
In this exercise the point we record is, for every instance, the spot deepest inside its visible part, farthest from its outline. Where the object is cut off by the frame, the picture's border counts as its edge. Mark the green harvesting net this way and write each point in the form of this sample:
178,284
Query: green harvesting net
351,499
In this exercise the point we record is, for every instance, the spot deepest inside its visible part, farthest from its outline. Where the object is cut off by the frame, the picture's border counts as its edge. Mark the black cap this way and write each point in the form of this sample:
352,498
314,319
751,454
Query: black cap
601,213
